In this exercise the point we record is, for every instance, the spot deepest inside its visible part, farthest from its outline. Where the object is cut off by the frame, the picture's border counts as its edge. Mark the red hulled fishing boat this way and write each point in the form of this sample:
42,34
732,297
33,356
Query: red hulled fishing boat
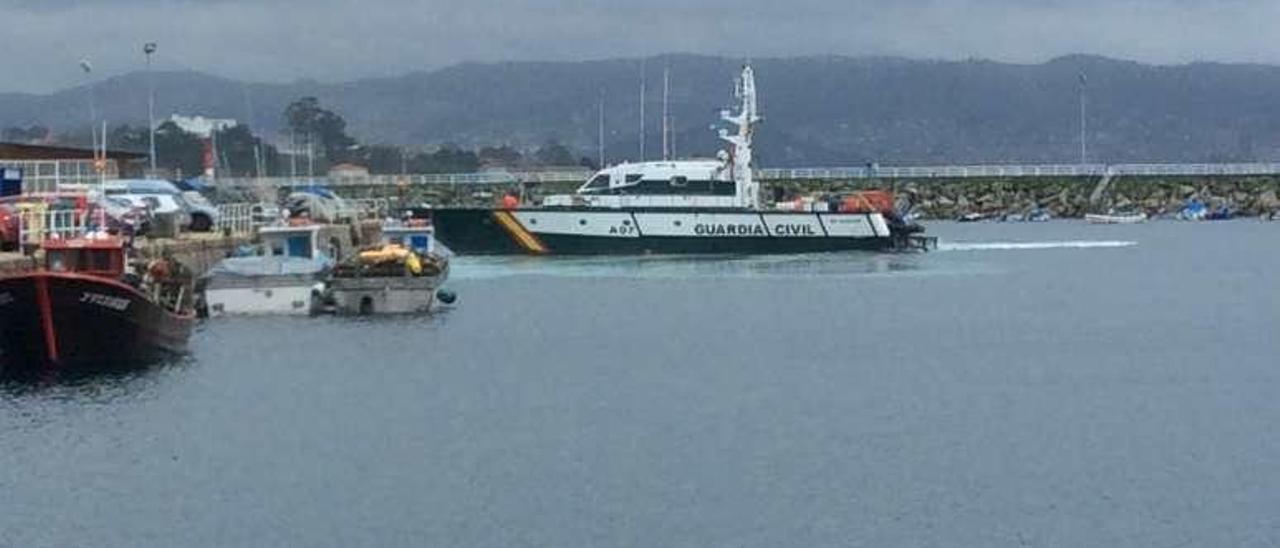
82,311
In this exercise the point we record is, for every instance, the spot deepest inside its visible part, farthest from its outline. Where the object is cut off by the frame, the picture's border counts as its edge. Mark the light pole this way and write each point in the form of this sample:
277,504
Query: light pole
1083,147
148,49
93,115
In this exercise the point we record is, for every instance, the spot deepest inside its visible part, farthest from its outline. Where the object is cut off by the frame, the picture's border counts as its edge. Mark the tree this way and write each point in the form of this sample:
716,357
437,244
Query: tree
179,151
128,138
504,156
383,159
552,153
27,135
240,151
320,127
447,159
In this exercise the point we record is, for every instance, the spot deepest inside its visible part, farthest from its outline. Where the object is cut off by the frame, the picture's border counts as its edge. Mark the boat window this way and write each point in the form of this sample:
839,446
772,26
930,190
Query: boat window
98,260
633,178
679,185
59,261
599,182
300,246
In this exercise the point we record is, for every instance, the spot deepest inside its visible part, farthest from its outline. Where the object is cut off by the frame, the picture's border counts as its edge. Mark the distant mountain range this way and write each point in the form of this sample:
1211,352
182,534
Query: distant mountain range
818,110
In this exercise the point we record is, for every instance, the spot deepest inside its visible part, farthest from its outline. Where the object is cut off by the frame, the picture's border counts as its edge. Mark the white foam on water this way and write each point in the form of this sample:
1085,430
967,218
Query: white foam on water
1004,246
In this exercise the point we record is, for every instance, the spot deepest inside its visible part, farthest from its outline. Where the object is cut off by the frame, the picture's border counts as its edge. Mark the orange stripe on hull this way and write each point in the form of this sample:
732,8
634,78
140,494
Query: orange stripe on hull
527,240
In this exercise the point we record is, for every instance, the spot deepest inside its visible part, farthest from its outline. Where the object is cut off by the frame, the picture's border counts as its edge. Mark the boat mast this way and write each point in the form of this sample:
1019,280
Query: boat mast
642,94
748,192
666,116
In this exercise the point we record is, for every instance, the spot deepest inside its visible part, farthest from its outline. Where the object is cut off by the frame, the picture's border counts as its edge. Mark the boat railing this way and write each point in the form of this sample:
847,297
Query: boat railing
38,224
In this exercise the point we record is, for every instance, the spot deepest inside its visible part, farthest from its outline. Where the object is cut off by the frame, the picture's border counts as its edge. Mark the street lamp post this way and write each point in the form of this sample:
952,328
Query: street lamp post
148,49
93,115
1083,146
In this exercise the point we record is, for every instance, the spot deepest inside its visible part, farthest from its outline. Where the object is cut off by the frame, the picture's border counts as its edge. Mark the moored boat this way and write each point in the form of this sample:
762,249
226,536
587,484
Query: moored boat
279,278
1116,218
678,206
391,278
82,311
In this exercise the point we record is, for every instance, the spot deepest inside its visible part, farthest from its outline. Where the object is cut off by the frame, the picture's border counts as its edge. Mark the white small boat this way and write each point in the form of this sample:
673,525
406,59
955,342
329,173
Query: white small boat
279,280
1115,218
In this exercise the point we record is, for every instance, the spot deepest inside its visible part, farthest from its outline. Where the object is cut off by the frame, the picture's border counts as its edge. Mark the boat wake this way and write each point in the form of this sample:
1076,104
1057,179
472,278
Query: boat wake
1005,246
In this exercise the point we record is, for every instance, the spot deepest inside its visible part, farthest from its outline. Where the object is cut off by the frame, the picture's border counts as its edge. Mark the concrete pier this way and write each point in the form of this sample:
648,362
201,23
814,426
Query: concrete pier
198,252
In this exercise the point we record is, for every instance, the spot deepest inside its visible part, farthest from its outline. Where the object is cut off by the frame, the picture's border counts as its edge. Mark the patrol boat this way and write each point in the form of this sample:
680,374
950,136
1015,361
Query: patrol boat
682,206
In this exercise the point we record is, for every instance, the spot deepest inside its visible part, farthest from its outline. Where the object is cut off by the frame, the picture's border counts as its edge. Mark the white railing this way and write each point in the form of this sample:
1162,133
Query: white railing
37,225
239,218
1032,170
42,176
481,178
786,174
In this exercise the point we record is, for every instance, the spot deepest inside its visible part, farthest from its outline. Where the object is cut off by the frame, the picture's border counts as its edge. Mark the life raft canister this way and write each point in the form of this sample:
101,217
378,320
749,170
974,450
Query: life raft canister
510,202
868,201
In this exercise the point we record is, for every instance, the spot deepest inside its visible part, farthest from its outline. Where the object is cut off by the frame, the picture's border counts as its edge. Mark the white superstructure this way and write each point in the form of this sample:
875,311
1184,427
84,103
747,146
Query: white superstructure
722,182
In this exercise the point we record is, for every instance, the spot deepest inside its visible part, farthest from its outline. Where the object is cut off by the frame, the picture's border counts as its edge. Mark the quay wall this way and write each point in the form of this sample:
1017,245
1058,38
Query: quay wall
198,254
950,198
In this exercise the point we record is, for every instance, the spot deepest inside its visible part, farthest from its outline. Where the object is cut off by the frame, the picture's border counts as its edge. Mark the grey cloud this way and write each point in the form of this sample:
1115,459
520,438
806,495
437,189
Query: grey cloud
275,40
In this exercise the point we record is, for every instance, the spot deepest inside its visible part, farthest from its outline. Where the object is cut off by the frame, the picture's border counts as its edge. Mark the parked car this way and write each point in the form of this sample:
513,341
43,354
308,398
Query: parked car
160,197
123,217
10,225
204,215
265,213
319,204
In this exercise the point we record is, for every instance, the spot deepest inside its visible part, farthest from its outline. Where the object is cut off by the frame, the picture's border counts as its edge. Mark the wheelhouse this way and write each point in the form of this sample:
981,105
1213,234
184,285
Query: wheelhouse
98,256
678,178
295,241
418,237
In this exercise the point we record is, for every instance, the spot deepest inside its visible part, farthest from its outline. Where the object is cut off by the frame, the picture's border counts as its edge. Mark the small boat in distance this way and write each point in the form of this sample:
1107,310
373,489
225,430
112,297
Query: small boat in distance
82,311
1116,218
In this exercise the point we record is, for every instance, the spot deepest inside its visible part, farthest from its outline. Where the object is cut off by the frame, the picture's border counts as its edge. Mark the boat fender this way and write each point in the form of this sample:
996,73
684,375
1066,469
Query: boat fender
446,296
413,265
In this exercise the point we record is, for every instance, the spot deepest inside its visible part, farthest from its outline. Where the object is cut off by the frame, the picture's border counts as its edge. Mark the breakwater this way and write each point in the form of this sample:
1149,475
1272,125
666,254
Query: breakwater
941,198
1067,197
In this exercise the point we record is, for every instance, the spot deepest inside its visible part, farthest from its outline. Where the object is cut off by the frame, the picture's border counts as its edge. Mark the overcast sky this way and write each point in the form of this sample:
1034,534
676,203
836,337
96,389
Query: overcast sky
281,40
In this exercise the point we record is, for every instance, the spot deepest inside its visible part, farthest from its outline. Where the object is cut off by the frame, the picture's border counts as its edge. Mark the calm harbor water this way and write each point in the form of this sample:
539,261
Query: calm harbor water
1052,384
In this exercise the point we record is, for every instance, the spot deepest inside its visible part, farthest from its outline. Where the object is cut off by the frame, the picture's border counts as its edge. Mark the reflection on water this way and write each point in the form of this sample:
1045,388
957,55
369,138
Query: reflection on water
1015,246
690,266
92,385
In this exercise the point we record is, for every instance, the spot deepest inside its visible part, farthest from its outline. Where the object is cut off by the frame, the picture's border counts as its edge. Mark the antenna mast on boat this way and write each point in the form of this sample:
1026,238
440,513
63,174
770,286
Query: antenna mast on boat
642,94
740,142
600,135
666,116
